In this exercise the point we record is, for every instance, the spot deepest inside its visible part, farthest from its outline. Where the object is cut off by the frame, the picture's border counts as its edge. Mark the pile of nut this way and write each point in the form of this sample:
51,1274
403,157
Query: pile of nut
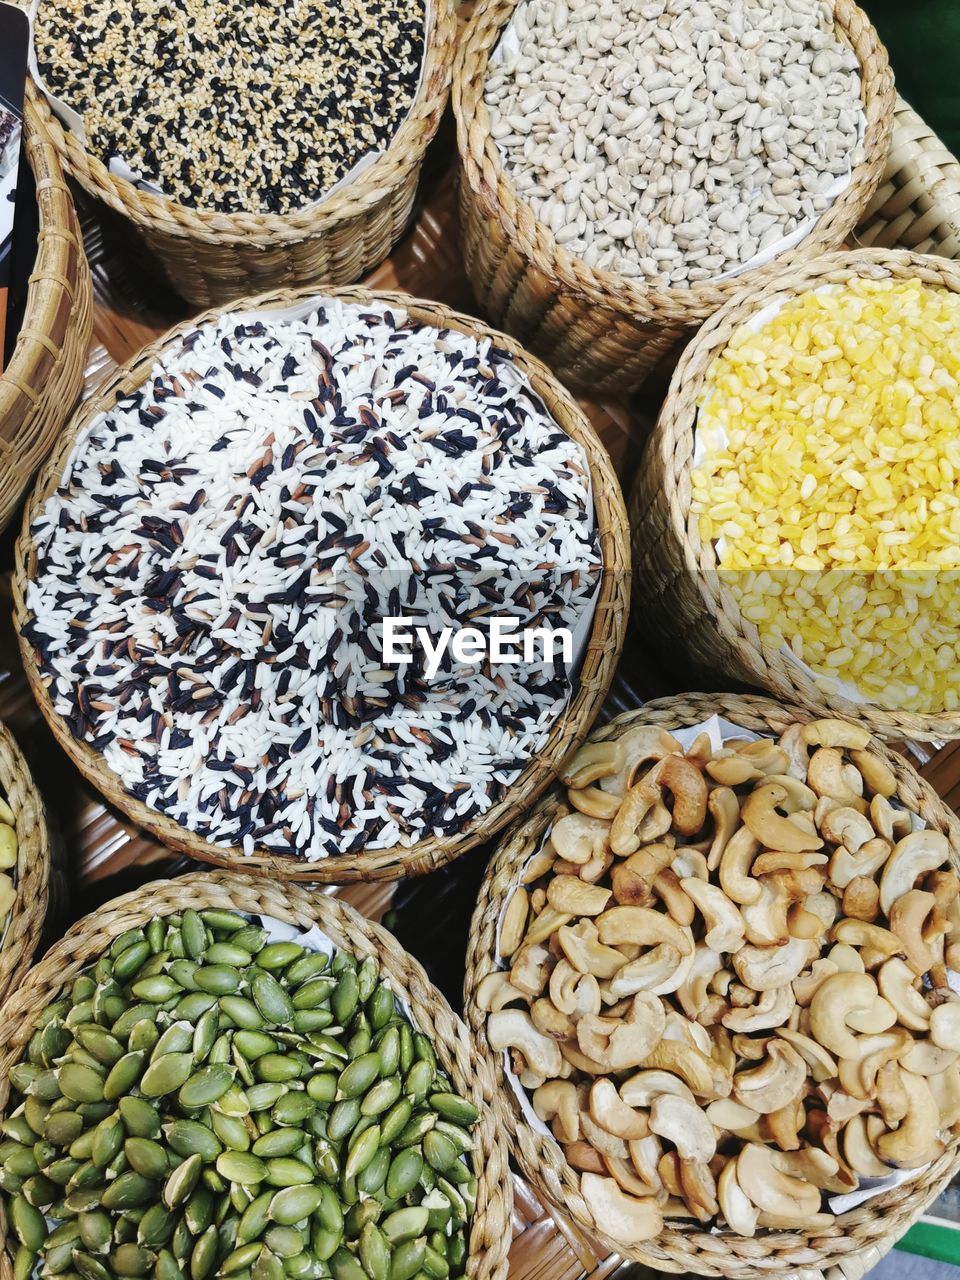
674,140
727,986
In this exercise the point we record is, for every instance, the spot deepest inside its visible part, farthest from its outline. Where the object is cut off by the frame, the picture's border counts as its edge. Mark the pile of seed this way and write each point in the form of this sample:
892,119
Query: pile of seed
214,571
674,140
234,106
207,1102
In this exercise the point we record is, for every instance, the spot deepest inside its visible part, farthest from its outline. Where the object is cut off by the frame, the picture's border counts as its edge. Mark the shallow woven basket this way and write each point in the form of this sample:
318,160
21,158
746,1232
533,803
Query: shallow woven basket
212,257
687,1246
40,386
676,574
347,929
24,925
598,330
599,663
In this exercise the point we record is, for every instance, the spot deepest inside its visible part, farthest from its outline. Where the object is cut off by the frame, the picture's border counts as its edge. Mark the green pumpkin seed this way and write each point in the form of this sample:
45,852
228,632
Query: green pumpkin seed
231,1131
284,1241
205,1033
395,1121
254,1219
241,1258
381,1097
140,1118
107,1140
309,966
261,1097
128,1191
155,1227
361,1151
206,1086
177,1038
190,1138
194,1005
123,1075
80,1083
143,1037
203,1257
418,1081
241,1166
367,975
284,1171
180,1185
243,1012
374,1253
63,1127
88,1267
343,1119
439,1150
254,1044
147,1157
306,1020
222,921
416,1130
251,937
167,1074
270,998
359,1075
24,1263
129,963
315,993
292,1108
233,1102
345,997
217,979
279,1142
28,1224
156,989
372,1178
388,1047
435,1264
278,1068
293,1204
267,1266
200,1209
346,1267
405,1170
131,1260
106,1048
277,955
407,1259
382,1005
193,933
166,1267
452,1107
405,1224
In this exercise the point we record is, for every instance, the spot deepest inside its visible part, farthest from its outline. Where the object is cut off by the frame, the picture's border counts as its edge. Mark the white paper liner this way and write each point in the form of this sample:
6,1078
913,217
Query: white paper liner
584,627
718,438
72,121
509,44
720,731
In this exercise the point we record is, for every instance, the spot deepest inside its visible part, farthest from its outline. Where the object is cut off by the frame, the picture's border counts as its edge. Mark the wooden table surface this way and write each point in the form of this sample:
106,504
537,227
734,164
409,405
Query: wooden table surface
104,855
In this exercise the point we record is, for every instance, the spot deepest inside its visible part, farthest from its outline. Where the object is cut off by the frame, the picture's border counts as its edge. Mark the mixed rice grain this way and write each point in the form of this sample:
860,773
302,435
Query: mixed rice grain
215,567
233,106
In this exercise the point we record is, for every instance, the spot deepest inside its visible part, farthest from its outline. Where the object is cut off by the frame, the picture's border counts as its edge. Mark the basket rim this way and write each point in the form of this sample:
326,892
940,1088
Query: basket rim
596,670
44,323
497,195
672,443
349,930
358,196
27,918
694,1248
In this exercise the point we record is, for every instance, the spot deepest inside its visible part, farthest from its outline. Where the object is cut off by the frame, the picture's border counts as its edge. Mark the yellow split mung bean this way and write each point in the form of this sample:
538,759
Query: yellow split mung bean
829,486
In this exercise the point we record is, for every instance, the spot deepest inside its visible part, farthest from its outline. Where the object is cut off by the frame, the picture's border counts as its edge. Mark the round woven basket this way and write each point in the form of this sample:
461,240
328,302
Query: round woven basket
40,386
677,573
22,929
347,929
596,672
211,257
869,1230
596,329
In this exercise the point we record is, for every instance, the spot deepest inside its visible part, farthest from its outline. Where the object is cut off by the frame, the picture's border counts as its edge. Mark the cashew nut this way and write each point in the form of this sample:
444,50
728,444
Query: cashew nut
514,1029
723,921
914,1142
759,812
762,968
773,1084
912,857
685,1125
624,1217
837,998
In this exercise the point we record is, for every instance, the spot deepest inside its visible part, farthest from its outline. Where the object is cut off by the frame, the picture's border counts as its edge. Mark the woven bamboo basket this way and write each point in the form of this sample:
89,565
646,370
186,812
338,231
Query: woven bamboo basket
685,599
211,257
347,929
598,330
22,929
40,386
596,672
856,1239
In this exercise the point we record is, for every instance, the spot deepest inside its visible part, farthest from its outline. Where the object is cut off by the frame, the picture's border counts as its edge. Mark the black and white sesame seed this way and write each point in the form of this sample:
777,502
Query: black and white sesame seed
235,106
215,566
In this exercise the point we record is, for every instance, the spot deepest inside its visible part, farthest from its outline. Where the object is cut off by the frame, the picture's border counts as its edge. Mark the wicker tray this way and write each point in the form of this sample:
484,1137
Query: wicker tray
597,329
40,386
347,929
213,257
599,662
27,918
685,1246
